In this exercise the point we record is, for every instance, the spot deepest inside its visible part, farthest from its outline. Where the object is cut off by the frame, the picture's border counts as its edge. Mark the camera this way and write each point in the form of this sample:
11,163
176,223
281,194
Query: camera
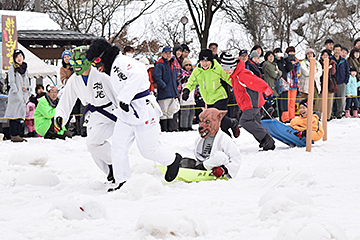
291,57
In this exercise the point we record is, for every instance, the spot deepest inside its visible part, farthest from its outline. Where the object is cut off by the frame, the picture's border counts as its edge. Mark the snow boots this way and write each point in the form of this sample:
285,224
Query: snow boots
17,138
173,169
355,113
235,128
267,143
110,176
164,125
347,113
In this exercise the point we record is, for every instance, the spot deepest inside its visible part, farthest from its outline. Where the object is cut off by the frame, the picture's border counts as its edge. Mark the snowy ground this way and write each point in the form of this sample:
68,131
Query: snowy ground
51,189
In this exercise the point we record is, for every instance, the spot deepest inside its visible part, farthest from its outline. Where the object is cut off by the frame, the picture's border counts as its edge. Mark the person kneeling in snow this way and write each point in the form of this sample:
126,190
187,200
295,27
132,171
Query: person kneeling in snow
299,123
44,115
214,150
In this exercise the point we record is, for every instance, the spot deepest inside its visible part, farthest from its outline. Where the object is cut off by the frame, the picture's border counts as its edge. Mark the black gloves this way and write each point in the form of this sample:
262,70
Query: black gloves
124,106
57,124
185,95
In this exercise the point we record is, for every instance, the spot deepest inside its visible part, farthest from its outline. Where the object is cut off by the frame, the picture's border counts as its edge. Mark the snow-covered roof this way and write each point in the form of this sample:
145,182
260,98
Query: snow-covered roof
32,20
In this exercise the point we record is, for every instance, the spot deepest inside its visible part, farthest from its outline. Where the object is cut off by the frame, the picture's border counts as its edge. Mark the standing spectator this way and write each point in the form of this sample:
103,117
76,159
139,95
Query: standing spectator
214,48
331,80
165,76
271,71
177,52
329,45
186,51
129,51
39,90
351,92
292,78
342,78
304,78
44,116
254,64
187,108
260,51
344,52
285,66
145,61
30,109
212,79
354,61
18,95
66,69
357,44
243,56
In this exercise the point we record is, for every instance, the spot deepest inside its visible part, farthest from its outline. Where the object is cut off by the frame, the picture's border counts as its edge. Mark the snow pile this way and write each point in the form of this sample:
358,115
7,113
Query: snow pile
37,177
78,206
311,229
29,156
162,224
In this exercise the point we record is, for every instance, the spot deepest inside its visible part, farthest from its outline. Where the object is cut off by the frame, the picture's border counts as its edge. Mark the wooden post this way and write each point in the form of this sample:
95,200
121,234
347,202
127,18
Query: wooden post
325,96
310,105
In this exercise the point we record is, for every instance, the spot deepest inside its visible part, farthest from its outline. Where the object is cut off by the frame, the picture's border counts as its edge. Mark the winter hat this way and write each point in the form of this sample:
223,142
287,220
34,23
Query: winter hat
353,69
185,47
49,87
304,102
176,48
186,61
206,54
145,61
228,62
242,52
254,54
166,49
17,52
309,50
66,52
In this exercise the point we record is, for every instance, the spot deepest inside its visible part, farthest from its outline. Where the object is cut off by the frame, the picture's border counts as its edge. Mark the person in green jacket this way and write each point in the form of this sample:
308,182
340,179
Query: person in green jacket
44,116
213,85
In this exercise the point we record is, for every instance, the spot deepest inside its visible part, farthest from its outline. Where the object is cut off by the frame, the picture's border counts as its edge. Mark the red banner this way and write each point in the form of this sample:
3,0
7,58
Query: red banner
9,39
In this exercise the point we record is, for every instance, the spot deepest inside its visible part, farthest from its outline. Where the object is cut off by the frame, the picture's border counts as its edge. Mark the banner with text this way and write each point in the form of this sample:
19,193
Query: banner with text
9,39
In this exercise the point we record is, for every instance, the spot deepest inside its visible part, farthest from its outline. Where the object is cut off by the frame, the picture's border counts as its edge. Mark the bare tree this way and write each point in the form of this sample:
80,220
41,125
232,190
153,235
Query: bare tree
18,5
202,13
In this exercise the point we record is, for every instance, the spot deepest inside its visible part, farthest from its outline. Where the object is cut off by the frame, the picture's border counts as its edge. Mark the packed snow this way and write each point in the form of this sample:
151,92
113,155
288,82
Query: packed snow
51,189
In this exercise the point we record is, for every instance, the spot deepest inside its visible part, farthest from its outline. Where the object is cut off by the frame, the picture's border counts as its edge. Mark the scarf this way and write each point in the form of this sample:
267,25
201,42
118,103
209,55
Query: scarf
51,102
20,68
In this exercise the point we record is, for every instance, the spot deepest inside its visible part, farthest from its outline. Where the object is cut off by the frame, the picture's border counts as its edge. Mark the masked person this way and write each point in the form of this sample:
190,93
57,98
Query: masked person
138,116
94,89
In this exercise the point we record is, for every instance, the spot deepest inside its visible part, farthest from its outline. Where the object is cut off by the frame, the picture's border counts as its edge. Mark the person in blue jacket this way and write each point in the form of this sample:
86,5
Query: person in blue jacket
351,92
342,78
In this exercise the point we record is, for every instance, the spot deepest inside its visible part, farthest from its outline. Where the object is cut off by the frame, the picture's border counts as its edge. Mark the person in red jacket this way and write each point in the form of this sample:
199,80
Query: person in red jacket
249,90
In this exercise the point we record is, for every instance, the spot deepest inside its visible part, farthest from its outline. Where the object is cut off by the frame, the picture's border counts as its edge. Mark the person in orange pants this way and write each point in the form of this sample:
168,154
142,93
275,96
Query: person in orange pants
292,78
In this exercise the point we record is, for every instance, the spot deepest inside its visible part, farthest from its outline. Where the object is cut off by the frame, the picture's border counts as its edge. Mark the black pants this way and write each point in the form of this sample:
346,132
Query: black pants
250,120
226,122
14,127
282,103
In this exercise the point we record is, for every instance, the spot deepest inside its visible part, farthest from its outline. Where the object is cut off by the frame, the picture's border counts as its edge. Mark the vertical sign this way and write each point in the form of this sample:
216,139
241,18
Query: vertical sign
9,39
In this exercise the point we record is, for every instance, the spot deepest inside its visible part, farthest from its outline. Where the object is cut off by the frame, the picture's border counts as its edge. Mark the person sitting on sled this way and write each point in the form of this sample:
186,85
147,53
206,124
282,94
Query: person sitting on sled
213,150
299,123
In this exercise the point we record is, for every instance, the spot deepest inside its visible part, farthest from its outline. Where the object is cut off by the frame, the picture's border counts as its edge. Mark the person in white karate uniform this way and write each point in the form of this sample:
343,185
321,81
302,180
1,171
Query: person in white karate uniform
138,118
95,91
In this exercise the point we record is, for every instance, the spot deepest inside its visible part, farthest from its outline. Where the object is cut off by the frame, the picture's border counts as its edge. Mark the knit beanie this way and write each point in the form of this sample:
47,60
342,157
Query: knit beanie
228,61
66,52
206,54
353,69
254,54
309,50
304,102
186,61
16,53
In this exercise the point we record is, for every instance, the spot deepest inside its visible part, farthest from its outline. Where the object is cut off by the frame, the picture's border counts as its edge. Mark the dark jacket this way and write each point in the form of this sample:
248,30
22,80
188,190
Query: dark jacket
254,68
284,66
342,70
164,76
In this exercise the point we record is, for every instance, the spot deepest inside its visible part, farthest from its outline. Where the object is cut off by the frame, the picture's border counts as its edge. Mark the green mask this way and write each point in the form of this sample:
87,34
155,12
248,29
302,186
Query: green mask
79,61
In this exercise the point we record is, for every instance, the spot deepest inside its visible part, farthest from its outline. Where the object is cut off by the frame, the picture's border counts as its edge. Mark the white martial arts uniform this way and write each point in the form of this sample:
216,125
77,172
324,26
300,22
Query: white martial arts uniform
140,123
223,152
98,92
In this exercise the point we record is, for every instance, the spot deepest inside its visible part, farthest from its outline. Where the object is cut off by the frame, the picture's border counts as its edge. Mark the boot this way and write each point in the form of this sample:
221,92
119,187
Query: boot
164,125
347,113
235,127
17,138
110,176
355,114
267,143
173,169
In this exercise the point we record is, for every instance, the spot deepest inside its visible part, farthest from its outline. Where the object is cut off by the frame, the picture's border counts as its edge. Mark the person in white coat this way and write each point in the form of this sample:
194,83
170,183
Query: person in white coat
138,118
18,95
304,78
213,150
94,89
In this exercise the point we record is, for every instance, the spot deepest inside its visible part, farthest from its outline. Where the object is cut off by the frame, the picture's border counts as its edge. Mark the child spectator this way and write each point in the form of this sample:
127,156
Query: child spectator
299,123
30,110
351,92
187,108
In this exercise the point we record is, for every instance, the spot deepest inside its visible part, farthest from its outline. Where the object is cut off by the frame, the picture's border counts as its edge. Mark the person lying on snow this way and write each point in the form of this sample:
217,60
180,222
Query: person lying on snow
299,123
213,150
